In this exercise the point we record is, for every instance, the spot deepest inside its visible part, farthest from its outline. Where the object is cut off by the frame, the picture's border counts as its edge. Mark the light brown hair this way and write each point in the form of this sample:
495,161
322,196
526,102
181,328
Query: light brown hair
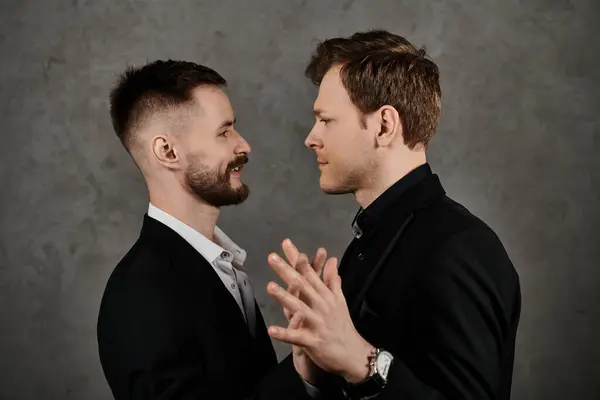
380,68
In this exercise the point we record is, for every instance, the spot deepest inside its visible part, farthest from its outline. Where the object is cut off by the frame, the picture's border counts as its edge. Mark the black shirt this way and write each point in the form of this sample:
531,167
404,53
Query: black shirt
373,227
430,282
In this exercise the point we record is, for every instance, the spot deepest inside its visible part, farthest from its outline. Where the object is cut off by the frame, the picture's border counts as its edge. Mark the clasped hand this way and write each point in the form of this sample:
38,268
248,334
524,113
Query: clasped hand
320,325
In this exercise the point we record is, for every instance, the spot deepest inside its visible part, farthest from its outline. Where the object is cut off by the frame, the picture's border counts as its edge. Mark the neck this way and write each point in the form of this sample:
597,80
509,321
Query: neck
386,174
186,207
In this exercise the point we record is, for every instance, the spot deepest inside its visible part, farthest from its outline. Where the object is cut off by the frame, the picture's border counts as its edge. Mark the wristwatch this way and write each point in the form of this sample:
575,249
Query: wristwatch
380,362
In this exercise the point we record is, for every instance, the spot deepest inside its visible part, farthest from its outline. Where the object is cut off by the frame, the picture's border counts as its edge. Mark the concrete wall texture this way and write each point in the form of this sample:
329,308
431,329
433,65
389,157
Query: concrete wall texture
518,144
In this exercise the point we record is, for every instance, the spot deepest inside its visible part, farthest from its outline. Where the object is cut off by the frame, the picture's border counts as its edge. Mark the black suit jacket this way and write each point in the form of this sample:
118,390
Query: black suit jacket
169,329
428,281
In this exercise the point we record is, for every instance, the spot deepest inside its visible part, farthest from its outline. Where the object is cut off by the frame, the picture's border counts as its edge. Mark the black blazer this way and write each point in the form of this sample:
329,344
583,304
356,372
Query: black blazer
431,283
169,329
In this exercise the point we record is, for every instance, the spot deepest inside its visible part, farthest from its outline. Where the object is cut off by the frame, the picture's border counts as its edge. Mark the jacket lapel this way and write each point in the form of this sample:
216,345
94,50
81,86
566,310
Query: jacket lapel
357,303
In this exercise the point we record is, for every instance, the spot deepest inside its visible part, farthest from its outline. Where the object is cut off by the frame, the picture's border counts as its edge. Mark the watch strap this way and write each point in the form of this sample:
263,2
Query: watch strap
368,388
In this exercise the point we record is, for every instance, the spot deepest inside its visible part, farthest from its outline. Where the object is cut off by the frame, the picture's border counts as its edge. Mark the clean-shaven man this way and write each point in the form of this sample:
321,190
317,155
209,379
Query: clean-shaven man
426,302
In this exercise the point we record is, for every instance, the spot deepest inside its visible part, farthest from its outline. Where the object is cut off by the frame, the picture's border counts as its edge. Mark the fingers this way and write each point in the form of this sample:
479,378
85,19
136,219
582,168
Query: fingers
294,291
311,277
290,251
331,278
291,303
314,279
288,314
337,285
319,260
298,337
296,321
311,273
295,280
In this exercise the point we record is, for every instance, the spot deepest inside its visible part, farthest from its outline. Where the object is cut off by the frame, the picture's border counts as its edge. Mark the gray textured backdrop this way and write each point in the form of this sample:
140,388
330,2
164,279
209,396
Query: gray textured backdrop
517,144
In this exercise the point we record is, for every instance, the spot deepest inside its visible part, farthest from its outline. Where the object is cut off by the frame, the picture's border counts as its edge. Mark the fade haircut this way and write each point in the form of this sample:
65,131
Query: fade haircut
153,88
380,68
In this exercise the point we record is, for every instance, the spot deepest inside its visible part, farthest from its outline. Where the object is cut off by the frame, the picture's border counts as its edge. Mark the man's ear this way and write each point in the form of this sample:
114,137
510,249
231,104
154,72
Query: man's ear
165,152
389,124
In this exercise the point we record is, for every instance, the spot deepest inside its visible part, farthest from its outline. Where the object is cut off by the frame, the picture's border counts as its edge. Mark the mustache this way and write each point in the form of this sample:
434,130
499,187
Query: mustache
238,162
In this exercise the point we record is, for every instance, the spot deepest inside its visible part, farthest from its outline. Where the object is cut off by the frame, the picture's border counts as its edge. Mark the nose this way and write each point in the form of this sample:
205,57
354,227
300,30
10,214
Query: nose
311,140
243,146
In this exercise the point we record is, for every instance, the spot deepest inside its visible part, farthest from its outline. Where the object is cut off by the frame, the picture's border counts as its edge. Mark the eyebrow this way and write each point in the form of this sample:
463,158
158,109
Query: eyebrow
319,111
227,123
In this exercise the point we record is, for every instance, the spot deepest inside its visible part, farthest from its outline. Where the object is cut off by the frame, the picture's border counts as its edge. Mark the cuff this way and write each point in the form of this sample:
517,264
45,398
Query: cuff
311,390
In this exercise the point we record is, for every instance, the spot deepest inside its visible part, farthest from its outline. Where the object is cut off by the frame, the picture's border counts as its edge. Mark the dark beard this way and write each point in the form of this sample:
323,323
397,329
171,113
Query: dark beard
214,187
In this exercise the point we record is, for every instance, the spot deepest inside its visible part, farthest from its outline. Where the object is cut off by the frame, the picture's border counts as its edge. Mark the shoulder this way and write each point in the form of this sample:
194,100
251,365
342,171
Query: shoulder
142,277
461,246
145,261
446,218
447,225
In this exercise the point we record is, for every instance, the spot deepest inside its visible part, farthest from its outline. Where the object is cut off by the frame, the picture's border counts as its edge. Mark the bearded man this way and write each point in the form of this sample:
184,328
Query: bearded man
178,318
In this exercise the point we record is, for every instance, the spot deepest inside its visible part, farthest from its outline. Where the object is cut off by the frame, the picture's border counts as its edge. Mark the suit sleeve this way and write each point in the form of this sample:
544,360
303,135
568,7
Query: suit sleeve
283,382
463,304
146,347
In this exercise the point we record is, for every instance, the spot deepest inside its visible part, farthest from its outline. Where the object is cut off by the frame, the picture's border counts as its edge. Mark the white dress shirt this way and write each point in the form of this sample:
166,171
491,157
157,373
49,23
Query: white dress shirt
226,258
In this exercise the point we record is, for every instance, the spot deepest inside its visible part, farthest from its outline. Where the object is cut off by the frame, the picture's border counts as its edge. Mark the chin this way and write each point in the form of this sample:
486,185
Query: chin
331,188
236,183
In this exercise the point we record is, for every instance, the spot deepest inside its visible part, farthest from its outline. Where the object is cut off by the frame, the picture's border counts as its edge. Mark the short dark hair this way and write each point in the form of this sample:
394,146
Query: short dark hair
380,68
155,87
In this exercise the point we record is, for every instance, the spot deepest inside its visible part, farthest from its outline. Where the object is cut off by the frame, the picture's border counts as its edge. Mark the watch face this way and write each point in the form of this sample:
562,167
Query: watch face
383,362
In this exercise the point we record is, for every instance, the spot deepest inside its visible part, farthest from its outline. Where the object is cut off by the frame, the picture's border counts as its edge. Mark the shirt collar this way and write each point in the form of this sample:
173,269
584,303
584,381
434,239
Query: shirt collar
225,249
367,219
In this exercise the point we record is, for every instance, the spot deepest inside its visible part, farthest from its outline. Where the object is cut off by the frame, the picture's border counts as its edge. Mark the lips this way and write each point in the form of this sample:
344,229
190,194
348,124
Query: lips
236,172
238,164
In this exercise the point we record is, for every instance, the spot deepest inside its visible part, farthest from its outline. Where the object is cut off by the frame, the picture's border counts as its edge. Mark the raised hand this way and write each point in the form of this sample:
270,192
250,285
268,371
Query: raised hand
307,369
322,324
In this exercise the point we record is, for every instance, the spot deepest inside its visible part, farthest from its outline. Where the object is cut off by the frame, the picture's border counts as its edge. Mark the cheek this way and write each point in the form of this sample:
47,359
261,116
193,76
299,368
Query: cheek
346,147
201,161
207,150
211,155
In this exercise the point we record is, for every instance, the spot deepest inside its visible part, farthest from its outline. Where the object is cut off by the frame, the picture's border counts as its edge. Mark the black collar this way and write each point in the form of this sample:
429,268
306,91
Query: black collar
402,197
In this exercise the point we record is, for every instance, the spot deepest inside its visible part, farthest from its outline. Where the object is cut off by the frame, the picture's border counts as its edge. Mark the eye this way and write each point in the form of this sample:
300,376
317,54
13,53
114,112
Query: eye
224,134
324,121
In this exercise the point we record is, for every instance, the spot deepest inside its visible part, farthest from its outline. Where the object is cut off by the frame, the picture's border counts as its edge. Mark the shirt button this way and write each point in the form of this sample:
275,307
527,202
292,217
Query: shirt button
360,256
233,285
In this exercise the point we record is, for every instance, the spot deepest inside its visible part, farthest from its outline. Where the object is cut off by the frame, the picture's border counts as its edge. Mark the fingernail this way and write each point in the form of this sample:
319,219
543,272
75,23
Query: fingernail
274,257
